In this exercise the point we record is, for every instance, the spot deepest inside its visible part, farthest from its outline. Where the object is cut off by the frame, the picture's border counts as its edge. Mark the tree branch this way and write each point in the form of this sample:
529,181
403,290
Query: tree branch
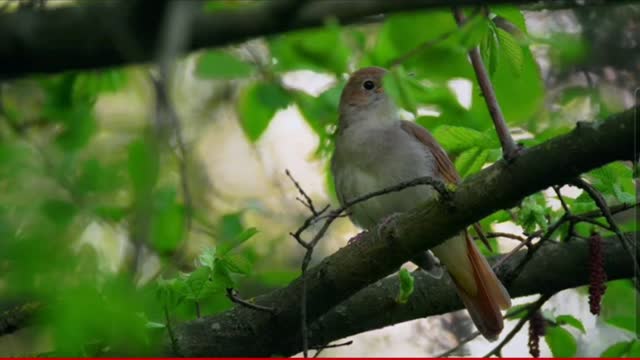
115,33
374,256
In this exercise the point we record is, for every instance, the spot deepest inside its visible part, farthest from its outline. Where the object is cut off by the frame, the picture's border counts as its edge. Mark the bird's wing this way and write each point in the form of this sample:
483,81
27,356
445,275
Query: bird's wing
445,167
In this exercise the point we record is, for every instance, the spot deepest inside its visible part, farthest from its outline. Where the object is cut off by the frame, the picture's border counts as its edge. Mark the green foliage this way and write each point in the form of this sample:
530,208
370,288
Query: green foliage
560,341
630,349
257,106
620,305
406,286
218,64
533,212
322,50
571,321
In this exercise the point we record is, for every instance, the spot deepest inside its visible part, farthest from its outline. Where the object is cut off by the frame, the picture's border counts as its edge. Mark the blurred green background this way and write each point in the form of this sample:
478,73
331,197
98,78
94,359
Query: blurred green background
120,210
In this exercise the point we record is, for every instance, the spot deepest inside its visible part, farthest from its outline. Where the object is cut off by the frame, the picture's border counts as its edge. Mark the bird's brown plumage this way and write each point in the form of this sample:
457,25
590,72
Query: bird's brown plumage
480,290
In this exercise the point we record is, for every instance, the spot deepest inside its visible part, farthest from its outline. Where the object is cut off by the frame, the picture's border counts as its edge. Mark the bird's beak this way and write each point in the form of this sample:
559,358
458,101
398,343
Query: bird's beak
379,90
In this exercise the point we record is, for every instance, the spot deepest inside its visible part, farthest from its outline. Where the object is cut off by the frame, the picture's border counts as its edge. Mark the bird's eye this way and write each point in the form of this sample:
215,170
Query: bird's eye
368,85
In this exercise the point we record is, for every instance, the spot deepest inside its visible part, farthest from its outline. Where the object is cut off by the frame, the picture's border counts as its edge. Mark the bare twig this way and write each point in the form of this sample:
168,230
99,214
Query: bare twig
509,147
329,346
461,343
613,226
328,218
232,294
18,316
495,234
534,307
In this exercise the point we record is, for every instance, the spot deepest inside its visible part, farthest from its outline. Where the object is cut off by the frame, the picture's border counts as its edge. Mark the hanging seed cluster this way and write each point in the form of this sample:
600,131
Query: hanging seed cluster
537,327
597,275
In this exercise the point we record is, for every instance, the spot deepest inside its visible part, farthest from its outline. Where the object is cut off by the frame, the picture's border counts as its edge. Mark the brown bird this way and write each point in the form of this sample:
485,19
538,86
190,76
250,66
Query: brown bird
374,149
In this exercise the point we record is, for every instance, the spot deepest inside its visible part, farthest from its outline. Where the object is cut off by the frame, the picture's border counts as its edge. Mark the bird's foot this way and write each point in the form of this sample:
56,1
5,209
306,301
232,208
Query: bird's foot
382,228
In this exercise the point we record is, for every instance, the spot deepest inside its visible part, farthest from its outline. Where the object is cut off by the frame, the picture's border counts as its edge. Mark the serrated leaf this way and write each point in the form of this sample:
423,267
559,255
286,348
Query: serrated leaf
571,321
457,138
561,342
406,286
511,50
258,104
217,64
489,49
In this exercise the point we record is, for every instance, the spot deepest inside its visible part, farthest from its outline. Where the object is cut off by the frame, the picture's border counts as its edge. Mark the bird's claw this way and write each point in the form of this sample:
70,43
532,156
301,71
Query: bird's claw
381,229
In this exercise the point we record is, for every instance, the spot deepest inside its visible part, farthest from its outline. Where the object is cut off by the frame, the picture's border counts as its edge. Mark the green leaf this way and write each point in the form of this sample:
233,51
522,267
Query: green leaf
258,104
618,307
518,311
217,64
511,13
227,246
406,286
143,165
167,221
471,161
88,85
532,213
444,60
222,276
320,113
571,321
60,211
561,342
395,85
457,138
208,258
322,50
511,50
489,48
237,264
197,283
80,125
617,350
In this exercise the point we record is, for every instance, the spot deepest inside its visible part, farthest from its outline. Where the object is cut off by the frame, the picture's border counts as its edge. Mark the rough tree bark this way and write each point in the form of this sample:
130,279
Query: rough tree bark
353,267
113,33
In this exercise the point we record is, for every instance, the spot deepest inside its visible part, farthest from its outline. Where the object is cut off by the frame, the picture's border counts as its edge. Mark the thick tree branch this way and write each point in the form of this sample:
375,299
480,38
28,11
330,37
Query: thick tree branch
373,257
114,33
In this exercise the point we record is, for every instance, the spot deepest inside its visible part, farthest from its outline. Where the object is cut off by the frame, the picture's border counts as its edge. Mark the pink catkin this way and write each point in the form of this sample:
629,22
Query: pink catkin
597,275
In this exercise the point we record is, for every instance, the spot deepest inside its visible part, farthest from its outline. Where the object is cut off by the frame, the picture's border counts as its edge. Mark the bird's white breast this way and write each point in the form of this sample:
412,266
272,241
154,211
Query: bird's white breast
371,156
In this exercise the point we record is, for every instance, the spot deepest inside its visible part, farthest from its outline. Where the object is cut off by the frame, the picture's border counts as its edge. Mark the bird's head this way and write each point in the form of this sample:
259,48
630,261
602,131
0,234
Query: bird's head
364,98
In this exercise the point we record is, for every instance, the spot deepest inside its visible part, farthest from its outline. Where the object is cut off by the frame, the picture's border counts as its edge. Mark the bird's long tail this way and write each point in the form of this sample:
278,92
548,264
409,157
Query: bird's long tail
480,290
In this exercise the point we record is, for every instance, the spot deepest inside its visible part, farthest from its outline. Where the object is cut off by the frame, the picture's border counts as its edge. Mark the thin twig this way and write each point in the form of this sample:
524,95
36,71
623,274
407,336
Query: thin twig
613,226
329,346
329,217
18,316
509,147
232,294
495,234
535,307
464,341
